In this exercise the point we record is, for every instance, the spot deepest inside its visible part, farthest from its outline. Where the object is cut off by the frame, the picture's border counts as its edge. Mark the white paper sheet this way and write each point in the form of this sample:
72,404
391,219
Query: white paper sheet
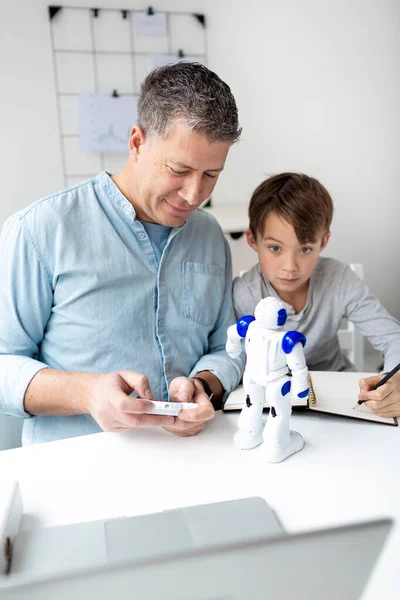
145,24
105,122
336,393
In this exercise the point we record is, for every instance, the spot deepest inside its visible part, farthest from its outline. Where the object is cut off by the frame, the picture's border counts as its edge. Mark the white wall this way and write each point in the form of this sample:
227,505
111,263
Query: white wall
318,88
29,138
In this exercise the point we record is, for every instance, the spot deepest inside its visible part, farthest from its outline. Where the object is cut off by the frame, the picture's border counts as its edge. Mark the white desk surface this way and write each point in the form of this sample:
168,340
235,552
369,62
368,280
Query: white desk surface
348,471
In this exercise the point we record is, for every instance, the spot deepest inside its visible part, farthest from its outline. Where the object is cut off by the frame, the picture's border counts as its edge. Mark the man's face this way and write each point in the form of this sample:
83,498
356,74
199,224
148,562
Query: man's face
170,178
287,264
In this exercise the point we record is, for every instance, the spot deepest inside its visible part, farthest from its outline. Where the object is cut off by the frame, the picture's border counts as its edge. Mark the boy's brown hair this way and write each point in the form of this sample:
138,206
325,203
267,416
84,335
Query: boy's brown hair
298,199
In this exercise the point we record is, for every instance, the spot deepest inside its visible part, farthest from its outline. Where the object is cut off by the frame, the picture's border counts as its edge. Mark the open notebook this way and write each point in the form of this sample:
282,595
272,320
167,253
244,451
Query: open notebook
330,392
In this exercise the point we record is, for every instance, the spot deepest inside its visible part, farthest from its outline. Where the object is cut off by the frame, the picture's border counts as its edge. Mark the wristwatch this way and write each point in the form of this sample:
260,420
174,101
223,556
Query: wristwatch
206,387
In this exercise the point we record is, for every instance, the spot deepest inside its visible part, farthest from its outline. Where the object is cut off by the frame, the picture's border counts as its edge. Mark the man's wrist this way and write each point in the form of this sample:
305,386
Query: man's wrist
212,387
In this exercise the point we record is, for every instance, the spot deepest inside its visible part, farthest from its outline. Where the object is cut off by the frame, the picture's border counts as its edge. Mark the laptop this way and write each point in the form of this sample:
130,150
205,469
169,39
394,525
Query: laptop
223,551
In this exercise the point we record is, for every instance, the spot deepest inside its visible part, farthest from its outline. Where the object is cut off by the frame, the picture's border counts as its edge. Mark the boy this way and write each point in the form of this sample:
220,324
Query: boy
290,217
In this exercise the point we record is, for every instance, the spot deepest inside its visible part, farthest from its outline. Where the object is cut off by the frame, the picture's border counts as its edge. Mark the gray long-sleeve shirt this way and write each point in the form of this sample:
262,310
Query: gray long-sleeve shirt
335,292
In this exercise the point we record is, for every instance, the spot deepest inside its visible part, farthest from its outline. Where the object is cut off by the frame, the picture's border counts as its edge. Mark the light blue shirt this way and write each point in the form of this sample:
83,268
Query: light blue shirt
81,289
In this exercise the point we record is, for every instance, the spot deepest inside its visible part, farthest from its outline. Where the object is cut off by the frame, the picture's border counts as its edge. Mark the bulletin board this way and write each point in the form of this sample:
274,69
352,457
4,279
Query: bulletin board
106,54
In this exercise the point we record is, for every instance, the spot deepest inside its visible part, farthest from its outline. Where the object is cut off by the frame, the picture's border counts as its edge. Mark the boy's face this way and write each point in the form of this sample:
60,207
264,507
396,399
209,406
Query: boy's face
287,264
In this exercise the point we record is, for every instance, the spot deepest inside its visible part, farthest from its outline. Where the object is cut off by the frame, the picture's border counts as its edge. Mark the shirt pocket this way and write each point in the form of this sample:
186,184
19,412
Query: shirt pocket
202,292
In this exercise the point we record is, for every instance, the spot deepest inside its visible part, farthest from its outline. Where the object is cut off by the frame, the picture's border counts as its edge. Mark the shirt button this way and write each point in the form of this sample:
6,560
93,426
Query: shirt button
167,368
142,236
159,322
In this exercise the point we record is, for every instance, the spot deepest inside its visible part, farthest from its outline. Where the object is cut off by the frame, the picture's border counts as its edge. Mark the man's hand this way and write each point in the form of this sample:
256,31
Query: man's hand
385,401
189,422
111,406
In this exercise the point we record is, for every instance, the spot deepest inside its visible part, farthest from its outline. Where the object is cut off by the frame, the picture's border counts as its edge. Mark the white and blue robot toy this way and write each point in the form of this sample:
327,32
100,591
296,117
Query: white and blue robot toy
270,353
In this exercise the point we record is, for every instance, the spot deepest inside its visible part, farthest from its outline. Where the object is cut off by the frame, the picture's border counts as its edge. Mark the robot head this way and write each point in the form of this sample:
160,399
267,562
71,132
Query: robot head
270,313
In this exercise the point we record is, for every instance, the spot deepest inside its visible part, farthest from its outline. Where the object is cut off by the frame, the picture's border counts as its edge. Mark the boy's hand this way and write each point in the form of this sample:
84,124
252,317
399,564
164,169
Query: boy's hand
385,401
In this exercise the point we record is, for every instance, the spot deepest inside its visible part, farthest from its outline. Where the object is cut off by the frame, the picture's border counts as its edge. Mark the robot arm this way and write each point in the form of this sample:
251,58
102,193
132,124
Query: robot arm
235,334
292,345
233,343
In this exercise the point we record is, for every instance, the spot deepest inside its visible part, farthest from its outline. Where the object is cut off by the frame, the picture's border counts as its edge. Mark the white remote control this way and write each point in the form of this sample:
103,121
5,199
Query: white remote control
170,408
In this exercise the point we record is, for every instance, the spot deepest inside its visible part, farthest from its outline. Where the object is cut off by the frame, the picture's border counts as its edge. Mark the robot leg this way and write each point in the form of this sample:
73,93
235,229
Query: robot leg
279,441
250,424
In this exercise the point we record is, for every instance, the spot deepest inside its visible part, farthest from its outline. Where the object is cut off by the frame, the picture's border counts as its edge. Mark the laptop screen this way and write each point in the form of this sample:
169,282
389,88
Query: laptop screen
328,564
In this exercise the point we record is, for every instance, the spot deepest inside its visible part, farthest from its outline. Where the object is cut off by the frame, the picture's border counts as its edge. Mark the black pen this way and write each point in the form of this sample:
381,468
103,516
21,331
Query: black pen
381,382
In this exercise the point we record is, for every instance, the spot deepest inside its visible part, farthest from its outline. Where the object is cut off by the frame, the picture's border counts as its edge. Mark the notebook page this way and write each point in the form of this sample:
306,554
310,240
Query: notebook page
336,393
237,399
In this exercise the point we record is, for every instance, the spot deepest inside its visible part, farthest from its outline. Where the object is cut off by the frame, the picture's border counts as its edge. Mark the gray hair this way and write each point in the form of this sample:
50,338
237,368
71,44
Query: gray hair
191,93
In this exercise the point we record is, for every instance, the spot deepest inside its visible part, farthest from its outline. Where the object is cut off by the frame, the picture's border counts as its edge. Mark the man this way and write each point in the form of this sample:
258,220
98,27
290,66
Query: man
118,285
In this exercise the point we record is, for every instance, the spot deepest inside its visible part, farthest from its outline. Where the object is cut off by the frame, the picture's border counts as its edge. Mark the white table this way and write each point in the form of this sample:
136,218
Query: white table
348,471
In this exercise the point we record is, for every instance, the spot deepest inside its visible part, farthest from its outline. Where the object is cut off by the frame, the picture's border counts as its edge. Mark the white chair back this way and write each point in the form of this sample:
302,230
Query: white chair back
350,339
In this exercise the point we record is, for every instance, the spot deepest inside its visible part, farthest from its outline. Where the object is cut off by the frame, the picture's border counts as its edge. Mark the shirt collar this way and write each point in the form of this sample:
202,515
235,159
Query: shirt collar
117,197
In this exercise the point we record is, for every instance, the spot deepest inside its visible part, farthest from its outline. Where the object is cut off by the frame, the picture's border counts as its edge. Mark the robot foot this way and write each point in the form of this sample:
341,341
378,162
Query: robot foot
276,454
245,441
